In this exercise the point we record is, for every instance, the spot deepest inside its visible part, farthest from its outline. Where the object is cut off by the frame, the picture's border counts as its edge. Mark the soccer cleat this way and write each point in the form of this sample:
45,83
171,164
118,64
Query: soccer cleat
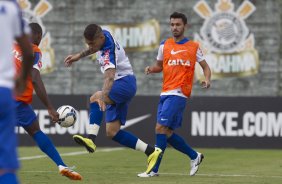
195,164
145,175
65,171
87,143
153,158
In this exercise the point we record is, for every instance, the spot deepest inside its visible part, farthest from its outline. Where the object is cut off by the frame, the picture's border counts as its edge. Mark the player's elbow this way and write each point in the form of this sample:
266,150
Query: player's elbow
34,80
35,84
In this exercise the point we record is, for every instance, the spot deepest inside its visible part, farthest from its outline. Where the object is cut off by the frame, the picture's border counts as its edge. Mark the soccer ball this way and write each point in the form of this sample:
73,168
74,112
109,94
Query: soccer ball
67,116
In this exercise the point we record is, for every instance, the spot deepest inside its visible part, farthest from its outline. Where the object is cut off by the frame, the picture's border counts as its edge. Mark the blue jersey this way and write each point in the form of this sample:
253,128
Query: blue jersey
112,55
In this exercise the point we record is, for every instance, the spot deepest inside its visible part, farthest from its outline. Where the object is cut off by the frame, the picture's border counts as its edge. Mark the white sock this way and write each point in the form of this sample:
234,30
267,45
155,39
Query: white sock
141,146
93,129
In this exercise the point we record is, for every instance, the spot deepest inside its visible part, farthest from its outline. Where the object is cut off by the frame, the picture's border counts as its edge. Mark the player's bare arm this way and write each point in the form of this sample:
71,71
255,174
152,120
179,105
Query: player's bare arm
87,52
40,90
104,99
207,74
75,57
109,77
157,68
27,53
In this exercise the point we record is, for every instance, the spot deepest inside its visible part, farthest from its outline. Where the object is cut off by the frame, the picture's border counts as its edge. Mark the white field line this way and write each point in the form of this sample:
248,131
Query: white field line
71,153
172,174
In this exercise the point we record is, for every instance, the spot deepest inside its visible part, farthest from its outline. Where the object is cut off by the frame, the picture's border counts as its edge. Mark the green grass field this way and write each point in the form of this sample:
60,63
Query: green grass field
220,166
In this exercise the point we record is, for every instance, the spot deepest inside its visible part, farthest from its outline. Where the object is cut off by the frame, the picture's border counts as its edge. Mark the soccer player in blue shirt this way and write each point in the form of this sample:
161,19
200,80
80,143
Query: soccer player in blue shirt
118,90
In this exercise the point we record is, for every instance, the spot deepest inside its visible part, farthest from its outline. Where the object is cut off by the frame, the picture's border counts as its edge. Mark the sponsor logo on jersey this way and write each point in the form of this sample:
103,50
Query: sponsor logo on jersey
175,62
35,15
227,42
106,58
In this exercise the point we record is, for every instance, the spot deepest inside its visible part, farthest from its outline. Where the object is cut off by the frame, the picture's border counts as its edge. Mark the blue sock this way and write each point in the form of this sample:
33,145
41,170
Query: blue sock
126,139
161,142
46,145
179,144
156,168
9,178
95,120
95,115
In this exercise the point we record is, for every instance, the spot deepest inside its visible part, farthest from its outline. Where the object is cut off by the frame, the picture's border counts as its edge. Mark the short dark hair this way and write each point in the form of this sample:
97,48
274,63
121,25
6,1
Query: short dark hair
35,28
91,31
177,15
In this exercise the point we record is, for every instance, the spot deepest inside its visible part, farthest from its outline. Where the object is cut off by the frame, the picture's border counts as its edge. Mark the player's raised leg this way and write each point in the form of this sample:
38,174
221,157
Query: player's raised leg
95,120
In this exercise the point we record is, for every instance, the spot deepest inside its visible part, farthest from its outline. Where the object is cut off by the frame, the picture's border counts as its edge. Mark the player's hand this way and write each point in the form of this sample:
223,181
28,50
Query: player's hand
54,115
147,70
101,101
206,84
70,59
101,104
20,85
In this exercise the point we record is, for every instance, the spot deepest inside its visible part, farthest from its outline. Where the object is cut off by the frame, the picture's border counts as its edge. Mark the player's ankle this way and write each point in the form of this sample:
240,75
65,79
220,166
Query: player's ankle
92,137
149,150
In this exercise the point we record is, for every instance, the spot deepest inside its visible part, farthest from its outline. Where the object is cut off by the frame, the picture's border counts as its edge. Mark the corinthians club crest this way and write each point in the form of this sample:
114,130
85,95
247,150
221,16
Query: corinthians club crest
35,15
226,40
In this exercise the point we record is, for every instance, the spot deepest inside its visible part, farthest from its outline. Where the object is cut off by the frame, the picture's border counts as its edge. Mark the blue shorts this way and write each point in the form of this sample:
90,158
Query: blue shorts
25,115
8,139
123,90
170,111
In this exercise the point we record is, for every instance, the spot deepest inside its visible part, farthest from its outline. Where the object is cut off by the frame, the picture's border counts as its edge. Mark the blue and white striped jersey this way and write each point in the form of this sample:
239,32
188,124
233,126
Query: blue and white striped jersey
112,55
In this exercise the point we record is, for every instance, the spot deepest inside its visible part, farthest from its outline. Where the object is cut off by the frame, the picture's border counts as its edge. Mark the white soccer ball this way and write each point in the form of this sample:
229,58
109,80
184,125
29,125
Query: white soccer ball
67,116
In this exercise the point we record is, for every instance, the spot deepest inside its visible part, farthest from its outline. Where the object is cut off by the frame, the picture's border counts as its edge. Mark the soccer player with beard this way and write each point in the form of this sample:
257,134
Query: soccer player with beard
176,58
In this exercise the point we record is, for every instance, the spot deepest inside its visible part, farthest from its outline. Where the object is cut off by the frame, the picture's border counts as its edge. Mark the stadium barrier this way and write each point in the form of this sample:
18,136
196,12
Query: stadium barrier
208,122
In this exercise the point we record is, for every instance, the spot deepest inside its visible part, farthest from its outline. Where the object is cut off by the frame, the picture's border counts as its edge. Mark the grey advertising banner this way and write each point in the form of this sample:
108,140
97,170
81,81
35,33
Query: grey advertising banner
211,122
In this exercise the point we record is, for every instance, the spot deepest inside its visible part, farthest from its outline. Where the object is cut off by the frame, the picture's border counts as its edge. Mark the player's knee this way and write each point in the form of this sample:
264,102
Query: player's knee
160,129
33,128
111,133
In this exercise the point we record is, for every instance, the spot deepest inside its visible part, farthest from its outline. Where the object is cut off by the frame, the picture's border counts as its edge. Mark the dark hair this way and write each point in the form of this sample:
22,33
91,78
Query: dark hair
91,31
35,28
177,15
